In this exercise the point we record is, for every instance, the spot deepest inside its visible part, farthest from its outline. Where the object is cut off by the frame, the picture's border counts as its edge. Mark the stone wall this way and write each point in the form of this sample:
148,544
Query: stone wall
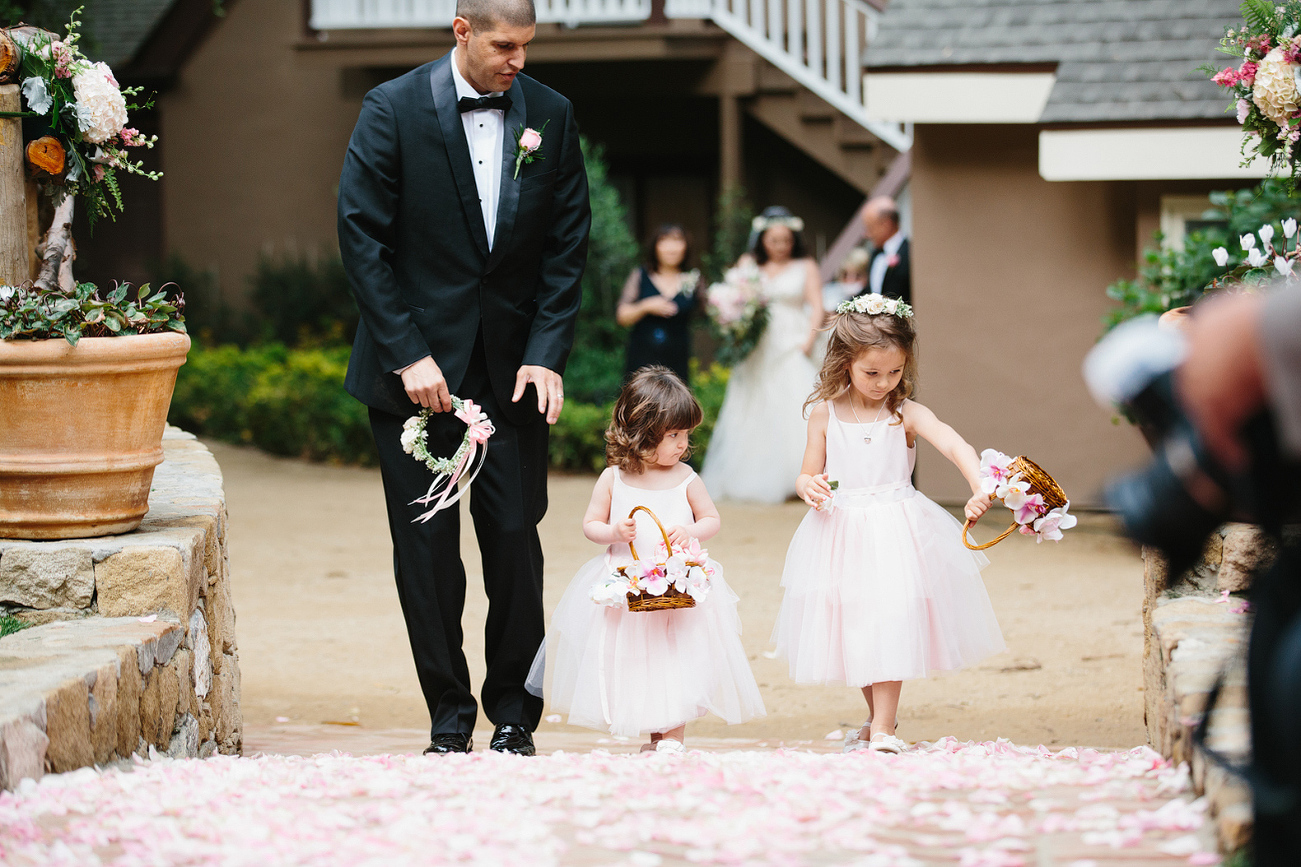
133,639
1196,627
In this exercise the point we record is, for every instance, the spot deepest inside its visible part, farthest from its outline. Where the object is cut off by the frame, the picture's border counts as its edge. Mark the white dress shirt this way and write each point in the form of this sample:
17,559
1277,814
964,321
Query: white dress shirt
881,264
484,131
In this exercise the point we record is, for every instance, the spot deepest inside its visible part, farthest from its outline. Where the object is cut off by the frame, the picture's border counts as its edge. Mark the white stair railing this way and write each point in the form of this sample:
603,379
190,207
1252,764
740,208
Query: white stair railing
375,14
819,43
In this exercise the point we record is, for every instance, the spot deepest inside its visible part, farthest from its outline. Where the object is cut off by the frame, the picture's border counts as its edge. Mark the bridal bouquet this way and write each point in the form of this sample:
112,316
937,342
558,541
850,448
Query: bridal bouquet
1265,82
679,571
738,313
86,112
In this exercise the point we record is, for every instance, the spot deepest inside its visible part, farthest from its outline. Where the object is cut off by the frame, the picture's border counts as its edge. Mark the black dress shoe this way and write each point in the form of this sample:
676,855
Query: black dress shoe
512,738
450,742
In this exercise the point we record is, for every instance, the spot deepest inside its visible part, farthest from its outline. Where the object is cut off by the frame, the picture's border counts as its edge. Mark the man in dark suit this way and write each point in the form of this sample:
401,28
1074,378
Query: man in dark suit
889,272
466,261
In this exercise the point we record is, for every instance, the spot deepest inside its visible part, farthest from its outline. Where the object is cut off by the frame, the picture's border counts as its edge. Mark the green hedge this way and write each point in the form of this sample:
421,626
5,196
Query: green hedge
292,402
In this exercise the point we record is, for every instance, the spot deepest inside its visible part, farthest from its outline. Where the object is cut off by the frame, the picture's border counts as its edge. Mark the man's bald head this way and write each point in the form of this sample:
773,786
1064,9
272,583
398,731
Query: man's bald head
880,219
485,15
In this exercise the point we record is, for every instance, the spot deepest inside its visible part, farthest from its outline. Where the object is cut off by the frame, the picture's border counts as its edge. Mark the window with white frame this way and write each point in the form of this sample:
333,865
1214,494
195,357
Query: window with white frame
1183,214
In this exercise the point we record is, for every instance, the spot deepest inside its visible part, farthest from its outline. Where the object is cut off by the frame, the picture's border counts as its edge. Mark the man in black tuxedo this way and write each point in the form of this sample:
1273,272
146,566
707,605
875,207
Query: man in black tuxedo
466,264
889,272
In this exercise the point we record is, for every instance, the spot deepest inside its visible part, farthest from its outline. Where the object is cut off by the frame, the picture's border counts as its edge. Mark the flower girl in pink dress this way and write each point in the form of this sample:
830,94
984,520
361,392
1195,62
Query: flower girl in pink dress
631,672
879,587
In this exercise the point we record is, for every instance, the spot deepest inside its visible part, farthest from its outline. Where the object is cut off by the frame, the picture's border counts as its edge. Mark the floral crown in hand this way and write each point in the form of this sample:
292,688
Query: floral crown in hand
873,304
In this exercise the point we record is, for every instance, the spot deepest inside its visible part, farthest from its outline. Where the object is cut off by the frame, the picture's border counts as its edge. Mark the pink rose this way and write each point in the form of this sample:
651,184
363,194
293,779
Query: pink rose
893,261
530,140
1244,109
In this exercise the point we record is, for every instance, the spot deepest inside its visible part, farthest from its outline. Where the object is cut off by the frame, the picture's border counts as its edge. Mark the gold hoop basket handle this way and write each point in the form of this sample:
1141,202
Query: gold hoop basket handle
667,546
967,526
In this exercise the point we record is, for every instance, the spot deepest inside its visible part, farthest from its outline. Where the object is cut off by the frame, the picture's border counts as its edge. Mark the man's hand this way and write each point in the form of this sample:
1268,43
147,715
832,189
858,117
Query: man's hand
551,389
1221,382
426,386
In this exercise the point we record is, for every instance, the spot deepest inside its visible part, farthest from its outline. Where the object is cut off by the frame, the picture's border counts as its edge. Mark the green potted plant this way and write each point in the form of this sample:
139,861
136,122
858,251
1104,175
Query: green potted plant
86,376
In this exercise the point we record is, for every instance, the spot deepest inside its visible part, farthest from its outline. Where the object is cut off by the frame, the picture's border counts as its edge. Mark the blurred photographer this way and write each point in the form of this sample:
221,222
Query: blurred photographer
1244,358
1218,397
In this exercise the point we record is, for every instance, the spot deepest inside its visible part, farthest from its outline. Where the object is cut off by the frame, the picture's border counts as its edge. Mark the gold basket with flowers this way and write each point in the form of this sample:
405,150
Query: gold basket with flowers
1039,505
678,577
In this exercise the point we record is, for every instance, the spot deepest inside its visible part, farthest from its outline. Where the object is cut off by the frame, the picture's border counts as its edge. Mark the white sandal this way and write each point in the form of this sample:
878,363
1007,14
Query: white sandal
853,743
669,745
884,743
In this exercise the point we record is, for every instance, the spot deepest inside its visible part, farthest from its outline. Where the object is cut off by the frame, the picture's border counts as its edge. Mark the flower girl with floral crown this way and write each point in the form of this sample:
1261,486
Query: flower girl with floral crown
878,585
634,671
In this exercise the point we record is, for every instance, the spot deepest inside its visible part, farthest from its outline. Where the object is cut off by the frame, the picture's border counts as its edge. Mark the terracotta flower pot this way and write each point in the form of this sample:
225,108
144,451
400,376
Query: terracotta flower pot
81,432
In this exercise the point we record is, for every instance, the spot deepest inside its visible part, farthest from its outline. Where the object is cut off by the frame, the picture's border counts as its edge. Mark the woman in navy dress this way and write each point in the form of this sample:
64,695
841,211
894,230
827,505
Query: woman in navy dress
657,304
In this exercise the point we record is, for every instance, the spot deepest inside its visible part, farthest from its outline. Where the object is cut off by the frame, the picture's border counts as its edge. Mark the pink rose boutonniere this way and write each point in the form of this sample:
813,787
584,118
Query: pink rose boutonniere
893,261
527,143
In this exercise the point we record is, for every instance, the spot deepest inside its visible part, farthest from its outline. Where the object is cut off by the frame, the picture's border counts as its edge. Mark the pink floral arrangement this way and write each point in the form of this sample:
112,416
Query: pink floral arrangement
684,569
1000,479
738,312
1264,83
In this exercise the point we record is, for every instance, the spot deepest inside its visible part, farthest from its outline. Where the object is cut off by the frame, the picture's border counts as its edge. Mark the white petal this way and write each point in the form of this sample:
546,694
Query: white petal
1221,256
1283,266
1248,242
1266,234
1289,227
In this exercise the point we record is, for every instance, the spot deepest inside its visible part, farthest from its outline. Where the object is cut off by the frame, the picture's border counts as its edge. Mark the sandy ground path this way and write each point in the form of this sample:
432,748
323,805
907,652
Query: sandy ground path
321,638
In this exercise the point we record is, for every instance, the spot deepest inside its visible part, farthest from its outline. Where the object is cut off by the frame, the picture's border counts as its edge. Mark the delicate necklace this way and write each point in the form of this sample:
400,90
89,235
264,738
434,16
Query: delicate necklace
867,437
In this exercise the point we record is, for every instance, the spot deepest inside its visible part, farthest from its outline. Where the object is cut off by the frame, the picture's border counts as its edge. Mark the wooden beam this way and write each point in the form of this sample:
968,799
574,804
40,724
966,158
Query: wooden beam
15,267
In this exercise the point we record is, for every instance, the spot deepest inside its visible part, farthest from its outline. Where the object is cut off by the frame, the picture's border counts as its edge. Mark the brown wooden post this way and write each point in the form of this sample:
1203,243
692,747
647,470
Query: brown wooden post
15,264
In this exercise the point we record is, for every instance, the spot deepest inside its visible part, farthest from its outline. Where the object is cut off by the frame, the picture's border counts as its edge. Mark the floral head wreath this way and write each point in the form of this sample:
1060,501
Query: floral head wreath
464,465
873,304
763,224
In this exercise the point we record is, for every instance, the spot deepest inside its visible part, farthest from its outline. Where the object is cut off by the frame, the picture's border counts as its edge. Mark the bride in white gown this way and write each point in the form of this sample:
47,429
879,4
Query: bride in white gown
758,441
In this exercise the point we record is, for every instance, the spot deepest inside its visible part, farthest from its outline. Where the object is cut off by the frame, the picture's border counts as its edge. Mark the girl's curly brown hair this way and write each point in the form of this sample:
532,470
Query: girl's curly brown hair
652,403
851,334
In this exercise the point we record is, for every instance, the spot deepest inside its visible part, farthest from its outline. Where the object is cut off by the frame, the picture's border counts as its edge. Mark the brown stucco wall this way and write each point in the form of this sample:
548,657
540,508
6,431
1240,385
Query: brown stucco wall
1009,276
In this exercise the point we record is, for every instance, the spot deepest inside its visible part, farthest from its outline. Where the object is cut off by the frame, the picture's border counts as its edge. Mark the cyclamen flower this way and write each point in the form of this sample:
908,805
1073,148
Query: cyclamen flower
1030,509
1266,233
1248,242
1257,258
1289,227
1050,526
1221,256
1283,266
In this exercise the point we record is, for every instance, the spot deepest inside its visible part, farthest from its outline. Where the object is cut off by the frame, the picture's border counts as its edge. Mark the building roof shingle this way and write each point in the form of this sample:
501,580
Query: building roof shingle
1117,60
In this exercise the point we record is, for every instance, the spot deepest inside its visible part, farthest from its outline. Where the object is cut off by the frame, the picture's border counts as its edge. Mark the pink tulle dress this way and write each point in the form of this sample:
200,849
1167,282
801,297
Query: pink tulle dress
879,586
630,673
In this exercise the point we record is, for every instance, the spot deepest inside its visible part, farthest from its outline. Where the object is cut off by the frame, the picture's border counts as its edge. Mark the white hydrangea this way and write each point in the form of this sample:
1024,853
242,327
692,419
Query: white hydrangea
101,108
1275,90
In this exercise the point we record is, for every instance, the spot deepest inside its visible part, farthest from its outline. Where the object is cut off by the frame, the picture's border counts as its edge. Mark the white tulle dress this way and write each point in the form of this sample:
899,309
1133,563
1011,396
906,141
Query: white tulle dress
636,672
880,587
758,441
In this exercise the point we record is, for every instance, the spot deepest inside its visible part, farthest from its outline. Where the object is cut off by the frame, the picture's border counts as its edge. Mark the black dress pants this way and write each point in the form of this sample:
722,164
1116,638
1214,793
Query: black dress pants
507,500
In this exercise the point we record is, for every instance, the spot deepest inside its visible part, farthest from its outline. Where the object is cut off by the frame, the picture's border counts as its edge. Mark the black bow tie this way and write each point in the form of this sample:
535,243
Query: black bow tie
500,102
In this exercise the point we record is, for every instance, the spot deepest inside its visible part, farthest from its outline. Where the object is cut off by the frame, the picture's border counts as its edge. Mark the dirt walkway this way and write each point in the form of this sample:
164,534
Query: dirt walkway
322,641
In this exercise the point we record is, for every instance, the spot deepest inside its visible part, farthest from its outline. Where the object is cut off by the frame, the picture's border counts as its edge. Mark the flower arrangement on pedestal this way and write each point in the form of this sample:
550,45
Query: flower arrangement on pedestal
1265,83
738,313
86,111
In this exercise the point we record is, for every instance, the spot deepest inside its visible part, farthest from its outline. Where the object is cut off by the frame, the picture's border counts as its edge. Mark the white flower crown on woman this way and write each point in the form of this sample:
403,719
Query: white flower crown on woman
873,304
762,223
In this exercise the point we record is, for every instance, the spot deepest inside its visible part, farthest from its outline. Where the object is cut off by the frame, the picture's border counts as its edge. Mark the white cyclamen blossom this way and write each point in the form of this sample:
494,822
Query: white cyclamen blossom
101,108
1257,258
1266,234
37,95
1221,256
6,292
1248,242
1283,266
1289,227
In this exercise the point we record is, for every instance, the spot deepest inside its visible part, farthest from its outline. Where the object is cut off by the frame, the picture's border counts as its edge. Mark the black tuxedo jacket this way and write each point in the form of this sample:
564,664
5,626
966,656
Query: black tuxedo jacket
898,280
415,247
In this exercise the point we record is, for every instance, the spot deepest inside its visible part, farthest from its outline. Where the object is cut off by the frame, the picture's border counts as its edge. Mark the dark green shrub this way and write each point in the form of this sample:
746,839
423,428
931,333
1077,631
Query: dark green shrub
595,369
299,408
578,438
1172,278
304,301
732,216
212,388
